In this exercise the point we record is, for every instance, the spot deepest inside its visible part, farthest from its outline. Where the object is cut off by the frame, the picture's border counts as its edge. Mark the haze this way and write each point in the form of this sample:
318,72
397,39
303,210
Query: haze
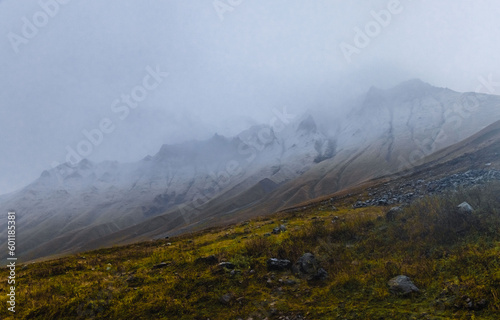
230,64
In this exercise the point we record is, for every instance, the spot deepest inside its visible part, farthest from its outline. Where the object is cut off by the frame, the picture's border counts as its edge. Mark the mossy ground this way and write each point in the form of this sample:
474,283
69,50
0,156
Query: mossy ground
453,258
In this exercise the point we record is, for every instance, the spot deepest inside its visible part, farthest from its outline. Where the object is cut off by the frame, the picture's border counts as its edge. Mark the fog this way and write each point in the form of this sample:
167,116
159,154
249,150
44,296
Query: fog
67,67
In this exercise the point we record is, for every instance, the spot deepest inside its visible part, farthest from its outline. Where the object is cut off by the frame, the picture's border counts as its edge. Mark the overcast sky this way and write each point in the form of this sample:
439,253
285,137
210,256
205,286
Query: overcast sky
65,65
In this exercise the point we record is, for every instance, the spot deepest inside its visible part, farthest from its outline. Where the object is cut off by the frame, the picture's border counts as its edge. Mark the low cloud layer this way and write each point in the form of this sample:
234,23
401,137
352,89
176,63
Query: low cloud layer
70,69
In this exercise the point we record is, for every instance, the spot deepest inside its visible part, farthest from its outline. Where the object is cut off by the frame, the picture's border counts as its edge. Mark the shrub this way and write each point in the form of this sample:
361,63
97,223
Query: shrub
257,246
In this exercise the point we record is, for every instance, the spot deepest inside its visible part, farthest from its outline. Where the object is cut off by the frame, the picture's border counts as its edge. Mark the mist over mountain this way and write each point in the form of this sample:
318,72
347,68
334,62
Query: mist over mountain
263,169
226,71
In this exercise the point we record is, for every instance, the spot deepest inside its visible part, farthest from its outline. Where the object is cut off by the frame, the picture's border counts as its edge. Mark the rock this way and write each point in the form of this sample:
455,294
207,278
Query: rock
359,204
267,234
392,213
419,188
481,304
290,282
465,208
274,264
210,260
306,264
308,267
279,229
226,299
160,265
321,275
227,265
402,285
382,202
234,272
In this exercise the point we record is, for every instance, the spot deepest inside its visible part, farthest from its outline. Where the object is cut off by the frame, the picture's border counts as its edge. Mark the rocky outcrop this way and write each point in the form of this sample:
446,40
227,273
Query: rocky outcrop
274,264
402,285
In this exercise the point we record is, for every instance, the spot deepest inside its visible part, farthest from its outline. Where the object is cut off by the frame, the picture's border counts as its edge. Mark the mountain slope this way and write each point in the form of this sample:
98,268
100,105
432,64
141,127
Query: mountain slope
262,170
396,129
227,272
70,206
472,153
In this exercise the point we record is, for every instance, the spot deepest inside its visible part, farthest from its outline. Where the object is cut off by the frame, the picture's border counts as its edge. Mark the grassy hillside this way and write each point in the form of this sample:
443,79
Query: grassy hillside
452,257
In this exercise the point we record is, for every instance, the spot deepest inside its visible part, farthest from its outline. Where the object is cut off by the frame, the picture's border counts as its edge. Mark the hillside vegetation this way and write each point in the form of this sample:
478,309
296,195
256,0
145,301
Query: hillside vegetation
453,257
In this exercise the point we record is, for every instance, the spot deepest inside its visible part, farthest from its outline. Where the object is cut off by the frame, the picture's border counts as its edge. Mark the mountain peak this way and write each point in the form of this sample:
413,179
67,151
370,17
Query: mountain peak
84,164
409,86
413,87
414,83
218,138
308,124
45,174
409,89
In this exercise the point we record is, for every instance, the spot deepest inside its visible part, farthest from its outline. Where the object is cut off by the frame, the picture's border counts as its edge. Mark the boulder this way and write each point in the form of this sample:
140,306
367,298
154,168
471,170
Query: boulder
234,272
392,213
226,299
274,264
227,265
290,282
279,229
402,285
465,208
308,267
160,265
320,275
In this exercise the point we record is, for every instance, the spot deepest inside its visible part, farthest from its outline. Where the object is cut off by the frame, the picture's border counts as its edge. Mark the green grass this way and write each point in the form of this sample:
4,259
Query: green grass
449,256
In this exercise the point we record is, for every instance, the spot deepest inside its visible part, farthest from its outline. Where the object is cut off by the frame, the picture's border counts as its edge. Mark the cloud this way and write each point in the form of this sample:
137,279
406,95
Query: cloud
224,74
